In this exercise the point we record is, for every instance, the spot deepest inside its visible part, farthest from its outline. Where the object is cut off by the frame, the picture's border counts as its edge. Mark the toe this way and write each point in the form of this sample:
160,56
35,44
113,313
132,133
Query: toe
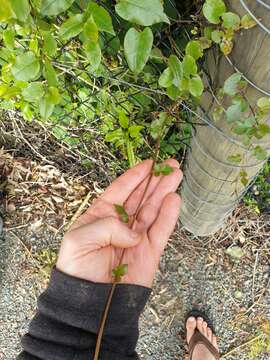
209,334
191,326
200,324
204,325
214,341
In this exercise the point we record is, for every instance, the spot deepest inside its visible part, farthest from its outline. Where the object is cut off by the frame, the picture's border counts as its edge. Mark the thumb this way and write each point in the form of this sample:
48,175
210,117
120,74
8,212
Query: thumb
105,232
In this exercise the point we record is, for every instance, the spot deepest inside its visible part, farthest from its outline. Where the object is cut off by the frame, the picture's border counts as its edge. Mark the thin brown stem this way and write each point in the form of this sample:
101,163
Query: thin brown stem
115,281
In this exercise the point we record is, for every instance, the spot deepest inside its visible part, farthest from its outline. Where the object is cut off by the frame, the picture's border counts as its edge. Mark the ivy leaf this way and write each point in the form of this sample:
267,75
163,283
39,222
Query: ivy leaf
49,44
247,22
166,78
71,27
231,85
122,213
137,47
162,169
231,20
259,153
189,66
53,8
195,86
194,49
235,159
140,12
46,107
93,53
176,68
235,252
50,74
90,30
26,67
33,92
5,10
101,17
213,9
123,119
21,8
119,272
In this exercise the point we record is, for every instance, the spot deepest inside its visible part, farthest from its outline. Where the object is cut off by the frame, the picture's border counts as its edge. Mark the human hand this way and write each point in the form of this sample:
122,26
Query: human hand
94,245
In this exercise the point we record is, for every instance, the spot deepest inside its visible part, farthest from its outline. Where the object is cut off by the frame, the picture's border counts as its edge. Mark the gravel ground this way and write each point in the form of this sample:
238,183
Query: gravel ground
193,272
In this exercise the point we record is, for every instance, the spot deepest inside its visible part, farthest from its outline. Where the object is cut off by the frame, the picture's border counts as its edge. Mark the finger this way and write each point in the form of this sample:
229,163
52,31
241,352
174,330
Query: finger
164,225
121,188
134,199
102,233
150,210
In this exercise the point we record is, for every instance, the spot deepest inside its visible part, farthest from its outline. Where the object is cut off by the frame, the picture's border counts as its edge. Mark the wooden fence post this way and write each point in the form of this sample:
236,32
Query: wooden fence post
212,186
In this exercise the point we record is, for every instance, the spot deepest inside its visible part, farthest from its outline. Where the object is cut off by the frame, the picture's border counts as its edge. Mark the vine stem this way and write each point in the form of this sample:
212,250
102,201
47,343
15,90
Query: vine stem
115,281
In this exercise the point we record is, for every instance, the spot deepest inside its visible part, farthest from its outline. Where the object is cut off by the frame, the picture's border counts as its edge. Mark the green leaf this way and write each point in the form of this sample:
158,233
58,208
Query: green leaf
122,213
5,10
135,131
50,74
244,126
158,126
119,272
140,12
231,20
54,96
33,92
259,152
137,47
173,92
231,85
166,78
233,113
114,136
49,44
90,30
189,66
53,7
101,17
243,177
71,27
247,22
93,53
176,68
9,38
46,107
235,159
123,119
21,8
26,67
195,86
217,36
194,49
235,252
264,104
162,169
262,130
213,9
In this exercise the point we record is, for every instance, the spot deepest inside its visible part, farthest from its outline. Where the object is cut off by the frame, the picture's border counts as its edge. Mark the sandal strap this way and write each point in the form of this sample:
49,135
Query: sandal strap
199,338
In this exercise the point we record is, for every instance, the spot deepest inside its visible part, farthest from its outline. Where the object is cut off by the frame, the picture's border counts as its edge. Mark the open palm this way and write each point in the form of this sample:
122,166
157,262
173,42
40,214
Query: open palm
95,243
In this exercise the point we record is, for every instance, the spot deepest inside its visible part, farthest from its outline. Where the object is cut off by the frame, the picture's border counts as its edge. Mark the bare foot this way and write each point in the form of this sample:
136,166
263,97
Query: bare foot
201,352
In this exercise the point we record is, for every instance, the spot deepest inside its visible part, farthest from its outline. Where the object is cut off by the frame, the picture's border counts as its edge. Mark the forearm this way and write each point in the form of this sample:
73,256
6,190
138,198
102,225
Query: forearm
69,313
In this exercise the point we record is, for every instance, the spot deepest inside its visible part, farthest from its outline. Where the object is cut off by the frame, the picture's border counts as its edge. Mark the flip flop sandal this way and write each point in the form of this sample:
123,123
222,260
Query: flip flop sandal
199,338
